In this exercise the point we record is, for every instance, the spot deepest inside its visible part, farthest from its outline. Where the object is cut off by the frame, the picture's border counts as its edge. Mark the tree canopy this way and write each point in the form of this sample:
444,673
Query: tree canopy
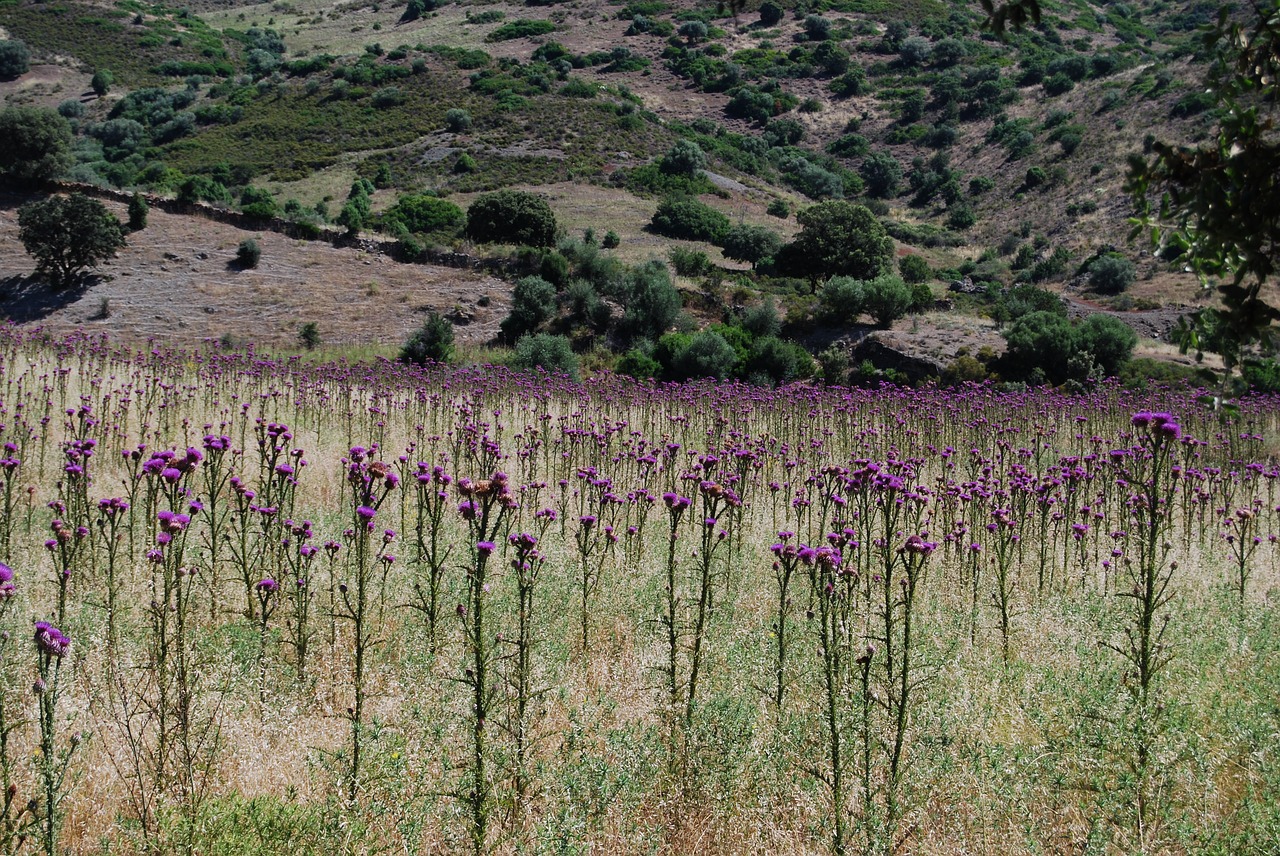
837,238
511,217
68,236
35,145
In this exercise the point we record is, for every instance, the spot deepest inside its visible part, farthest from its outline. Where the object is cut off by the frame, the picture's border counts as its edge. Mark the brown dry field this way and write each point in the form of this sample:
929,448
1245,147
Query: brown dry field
175,282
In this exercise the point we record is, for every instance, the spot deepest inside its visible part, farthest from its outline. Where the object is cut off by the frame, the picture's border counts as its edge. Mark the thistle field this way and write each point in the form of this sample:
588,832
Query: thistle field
289,608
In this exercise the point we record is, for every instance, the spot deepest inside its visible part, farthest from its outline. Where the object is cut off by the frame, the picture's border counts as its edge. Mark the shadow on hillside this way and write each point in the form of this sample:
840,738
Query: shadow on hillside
28,298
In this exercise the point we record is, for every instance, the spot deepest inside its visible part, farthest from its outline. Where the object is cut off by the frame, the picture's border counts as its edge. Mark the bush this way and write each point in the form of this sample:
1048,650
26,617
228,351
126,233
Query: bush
432,342
651,300
520,29
882,173
914,269
1111,274
776,361
689,219
533,301
687,261
637,364
248,254
842,299
684,158
457,120
424,214
762,320
778,208
15,59
750,244
610,240
770,13
706,355
545,351
1109,340
1043,341
886,299
837,238
309,335
138,209
36,147
101,82
511,217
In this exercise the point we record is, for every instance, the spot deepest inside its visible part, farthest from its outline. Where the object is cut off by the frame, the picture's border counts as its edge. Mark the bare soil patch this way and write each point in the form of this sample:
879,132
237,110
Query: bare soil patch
175,281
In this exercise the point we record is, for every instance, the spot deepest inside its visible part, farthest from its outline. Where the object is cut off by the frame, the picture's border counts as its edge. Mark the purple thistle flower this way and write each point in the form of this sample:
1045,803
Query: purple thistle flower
486,548
50,640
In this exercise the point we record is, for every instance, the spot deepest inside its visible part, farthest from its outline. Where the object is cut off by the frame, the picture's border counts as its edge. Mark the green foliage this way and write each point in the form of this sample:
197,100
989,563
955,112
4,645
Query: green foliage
637,364
684,158
457,120
511,217
1108,340
882,173
521,28
914,269
1040,340
138,209
36,145
258,202
751,244
430,343
687,261
533,302
68,236
688,219
776,361
248,253
15,59
610,240
425,214
762,319
309,335
886,299
651,302
1111,273
837,239
706,354
778,208
841,299
545,351
1023,299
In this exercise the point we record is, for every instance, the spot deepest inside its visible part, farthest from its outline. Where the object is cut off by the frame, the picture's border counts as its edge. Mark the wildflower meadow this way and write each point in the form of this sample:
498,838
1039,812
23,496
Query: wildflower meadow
254,604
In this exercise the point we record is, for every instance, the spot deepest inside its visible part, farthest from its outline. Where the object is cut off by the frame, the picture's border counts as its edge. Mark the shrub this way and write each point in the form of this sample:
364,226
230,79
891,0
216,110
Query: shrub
138,209
778,208
775,361
684,158
519,29
1111,274
309,335
651,300
842,299
689,219
837,238
771,13
423,214
886,299
610,240
1040,340
258,202
15,59
101,82
687,261
915,51
432,342
882,173
961,217
637,364
762,319
36,147
706,355
914,269
545,351
1109,340
457,120
511,217
533,301
248,254
751,244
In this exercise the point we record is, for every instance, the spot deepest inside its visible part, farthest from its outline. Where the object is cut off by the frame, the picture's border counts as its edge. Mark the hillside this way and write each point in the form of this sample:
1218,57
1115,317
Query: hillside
998,162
